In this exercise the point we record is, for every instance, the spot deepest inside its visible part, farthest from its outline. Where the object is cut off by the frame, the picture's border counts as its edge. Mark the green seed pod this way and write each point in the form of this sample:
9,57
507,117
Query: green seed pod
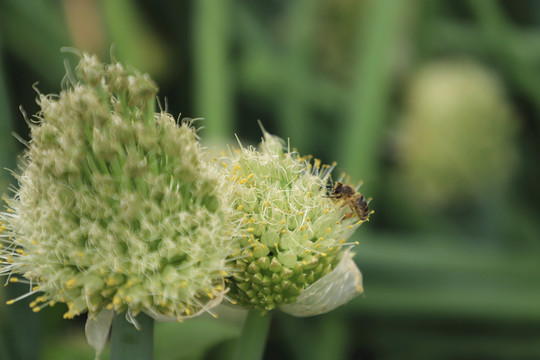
296,232
115,208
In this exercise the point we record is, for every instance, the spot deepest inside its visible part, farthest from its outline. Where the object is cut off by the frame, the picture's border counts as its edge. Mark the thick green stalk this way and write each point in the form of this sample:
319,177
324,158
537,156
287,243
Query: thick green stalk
134,41
130,343
213,90
363,127
293,108
253,338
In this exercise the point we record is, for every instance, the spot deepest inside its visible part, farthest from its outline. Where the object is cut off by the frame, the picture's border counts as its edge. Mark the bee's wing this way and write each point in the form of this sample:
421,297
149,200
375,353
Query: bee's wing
330,291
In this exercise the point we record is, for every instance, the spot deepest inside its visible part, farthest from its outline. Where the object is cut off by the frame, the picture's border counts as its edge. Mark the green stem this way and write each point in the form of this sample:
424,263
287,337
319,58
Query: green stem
294,114
364,124
213,88
253,338
129,343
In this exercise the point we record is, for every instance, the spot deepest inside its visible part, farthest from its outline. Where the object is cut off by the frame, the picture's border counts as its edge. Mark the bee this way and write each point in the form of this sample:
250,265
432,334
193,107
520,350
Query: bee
353,199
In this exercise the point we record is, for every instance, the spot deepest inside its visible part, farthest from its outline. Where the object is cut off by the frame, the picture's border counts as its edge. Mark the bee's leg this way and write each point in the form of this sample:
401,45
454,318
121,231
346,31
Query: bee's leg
348,215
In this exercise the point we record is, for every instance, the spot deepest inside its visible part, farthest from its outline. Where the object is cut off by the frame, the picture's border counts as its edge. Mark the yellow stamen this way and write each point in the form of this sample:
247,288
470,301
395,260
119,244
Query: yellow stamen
71,283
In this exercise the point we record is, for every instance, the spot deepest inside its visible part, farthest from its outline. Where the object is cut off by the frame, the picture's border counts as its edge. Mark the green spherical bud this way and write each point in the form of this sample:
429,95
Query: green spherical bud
294,231
116,208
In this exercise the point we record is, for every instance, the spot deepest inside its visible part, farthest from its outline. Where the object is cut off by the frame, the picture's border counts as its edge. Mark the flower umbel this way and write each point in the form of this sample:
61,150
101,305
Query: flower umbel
115,208
295,233
459,111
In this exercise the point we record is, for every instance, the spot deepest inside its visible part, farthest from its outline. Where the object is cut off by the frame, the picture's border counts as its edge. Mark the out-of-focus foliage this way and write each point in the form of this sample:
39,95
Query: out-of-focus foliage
337,77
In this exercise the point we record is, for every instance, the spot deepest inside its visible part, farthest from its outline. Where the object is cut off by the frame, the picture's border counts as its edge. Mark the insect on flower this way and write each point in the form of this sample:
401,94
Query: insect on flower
353,199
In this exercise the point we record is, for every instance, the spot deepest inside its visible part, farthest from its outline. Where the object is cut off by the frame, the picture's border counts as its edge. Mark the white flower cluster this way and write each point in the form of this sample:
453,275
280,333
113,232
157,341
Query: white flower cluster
295,233
118,210
115,208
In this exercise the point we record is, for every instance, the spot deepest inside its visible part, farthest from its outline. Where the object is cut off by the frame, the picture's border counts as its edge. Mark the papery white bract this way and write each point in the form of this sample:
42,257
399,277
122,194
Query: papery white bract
332,290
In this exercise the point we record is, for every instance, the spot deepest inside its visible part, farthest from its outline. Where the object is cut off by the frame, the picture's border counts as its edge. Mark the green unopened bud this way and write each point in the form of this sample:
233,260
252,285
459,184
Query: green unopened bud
294,231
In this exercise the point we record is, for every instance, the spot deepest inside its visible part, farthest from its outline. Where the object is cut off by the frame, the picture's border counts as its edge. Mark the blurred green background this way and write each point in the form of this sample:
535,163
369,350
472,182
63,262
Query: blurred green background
434,104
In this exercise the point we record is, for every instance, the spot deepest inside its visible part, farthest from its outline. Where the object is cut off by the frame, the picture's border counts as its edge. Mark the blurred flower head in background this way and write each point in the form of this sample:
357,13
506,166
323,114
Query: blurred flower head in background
457,135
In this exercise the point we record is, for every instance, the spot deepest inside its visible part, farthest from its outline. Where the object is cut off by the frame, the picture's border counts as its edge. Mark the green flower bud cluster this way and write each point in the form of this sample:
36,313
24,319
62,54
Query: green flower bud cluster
458,134
295,231
115,208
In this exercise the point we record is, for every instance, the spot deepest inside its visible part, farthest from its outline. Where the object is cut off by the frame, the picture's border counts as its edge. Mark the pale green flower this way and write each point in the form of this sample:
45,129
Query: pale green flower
115,208
295,233
457,137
